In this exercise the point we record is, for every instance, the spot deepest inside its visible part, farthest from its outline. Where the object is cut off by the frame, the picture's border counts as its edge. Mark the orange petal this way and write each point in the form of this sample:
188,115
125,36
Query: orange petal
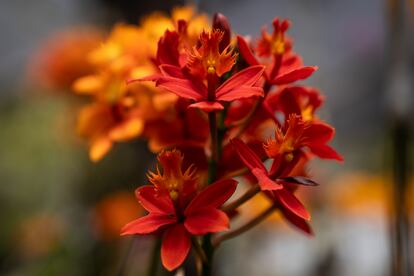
87,85
99,148
127,130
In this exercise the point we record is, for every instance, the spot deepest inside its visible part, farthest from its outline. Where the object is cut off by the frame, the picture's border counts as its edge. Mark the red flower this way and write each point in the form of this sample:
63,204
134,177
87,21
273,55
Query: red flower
275,43
295,137
298,100
208,59
286,67
239,86
176,209
196,73
277,186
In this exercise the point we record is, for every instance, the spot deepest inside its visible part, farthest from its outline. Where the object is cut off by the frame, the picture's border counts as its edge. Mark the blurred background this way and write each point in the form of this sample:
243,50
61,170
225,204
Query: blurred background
61,214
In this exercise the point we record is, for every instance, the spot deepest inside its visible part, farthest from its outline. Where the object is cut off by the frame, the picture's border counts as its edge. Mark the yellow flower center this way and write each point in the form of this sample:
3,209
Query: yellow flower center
174,195
211,66
278,45
307,113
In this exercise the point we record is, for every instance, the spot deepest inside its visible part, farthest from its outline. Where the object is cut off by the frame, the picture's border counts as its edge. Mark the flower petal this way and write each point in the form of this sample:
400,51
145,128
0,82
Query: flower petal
288,102
171,71
206,220
265,182
213,195
99,148
183,88
88,85
175,247
289,201
154,203
245,51
148,224
152,77
325,152
167,50
318,133
242,92
207,106
298,222
127,130
247,77
248,156
294,75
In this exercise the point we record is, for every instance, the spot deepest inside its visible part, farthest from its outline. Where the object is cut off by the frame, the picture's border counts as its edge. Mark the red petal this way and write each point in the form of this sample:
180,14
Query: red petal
265,182
167,50
213,195
318,133
294,75
175,247
207,106
242,92
300,223
288,200
249,158
247,77
221,22
288,102
183,88
206,220
153,77
154,203
325,152
171,71
148,224
245,51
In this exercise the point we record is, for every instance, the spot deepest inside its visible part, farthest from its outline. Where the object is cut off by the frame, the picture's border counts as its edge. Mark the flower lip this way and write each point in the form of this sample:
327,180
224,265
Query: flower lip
208,58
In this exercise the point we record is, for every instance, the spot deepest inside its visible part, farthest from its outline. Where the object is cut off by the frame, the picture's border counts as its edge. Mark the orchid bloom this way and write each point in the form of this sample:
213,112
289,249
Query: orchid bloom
277,186
286,67
291,142
239,86
300,100
198,79
177,210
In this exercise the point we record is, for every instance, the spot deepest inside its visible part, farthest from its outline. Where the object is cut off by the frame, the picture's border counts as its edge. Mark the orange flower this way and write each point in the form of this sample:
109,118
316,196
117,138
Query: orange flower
207,59
61,59
103,124
113,212
120,112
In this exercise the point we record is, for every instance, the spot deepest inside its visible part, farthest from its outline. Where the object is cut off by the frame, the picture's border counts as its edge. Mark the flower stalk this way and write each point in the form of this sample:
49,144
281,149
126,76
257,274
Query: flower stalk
245,227
251,192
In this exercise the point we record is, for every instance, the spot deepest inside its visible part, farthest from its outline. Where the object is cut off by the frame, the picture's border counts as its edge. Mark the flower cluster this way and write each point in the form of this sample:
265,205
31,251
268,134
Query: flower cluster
120,112
246,89
215,106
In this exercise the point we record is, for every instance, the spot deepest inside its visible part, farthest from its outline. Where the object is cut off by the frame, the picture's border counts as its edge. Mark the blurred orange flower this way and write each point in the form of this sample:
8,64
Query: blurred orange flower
61,59
113,212
119,112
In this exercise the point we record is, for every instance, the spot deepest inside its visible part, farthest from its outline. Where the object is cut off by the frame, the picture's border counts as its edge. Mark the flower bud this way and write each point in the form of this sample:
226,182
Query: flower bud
220,22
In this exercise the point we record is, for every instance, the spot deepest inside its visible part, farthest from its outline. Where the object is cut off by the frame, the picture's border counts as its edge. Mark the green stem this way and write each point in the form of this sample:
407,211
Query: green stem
212,174
200,252
209,252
